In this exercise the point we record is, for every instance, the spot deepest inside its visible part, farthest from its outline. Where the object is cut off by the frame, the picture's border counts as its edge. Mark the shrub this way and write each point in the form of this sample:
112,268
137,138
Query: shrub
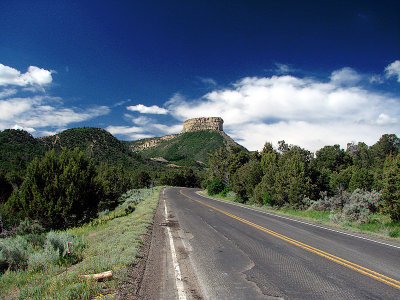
358,206
35,239
58,241
130,209
215,187
326,203
135,196
43,258
103,213
226,190
14,252
267,199
26,226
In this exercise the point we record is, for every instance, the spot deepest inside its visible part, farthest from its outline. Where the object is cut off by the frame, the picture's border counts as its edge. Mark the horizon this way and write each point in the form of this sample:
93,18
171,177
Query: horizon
310,74
179,133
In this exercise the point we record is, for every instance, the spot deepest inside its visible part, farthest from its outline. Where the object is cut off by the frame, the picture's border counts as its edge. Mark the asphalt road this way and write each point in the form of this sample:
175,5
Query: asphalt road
240,253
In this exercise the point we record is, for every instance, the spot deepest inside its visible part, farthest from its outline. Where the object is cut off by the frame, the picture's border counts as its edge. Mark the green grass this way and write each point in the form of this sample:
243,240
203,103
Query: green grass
316,215
380,225
112,244
220,197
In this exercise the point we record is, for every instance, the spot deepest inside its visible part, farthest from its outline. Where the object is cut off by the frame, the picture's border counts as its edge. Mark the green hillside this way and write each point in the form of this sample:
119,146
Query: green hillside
17,148
189,148
97,143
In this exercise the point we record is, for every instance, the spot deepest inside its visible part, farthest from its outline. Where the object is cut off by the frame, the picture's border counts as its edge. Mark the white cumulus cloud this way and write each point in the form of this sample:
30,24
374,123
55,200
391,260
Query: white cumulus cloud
154,109
125,130
167,130
28,129
34,76
129,132
15,107
345,76
393,70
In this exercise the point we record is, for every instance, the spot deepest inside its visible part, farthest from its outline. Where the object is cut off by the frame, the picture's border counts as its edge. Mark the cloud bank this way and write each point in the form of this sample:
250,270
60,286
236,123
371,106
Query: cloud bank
144,128
308,112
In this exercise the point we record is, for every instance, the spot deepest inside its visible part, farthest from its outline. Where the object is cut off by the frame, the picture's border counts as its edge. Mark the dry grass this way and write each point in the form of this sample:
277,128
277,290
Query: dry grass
113,241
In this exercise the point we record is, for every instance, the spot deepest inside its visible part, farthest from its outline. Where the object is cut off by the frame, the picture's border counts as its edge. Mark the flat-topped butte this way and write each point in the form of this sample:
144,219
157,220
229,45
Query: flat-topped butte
196,124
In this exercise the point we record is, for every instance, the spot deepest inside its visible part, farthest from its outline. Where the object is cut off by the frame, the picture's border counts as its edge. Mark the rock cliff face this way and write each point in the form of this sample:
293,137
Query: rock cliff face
196,124
149,143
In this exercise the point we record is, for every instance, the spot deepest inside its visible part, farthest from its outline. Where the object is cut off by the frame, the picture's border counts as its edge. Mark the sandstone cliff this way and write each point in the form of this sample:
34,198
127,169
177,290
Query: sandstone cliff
196,124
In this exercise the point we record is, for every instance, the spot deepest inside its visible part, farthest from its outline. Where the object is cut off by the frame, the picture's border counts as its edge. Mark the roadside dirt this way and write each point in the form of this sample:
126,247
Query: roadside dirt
130,288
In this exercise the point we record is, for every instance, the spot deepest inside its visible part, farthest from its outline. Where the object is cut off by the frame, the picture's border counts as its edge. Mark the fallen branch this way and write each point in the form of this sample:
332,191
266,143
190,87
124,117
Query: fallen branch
99,276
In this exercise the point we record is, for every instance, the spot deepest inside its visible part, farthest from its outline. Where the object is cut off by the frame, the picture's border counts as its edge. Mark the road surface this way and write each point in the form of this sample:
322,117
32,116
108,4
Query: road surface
225,251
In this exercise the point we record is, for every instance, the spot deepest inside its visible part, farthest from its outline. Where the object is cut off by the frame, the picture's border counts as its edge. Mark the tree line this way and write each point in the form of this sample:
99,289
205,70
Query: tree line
333,178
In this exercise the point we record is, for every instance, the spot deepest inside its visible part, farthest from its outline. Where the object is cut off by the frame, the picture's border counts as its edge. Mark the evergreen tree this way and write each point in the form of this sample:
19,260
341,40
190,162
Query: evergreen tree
218,165
387,144
332,158
59,191
293,181
115,181
245,179
191,179
269,165
236,159
142,180
6,188
361,178
391,187
360,154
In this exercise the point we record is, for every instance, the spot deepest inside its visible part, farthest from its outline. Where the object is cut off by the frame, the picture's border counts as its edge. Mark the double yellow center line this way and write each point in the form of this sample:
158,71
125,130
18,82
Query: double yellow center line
346,263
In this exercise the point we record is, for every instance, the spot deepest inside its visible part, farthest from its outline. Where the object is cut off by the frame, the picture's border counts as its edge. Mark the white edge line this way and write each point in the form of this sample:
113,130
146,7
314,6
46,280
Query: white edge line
177,270
302,222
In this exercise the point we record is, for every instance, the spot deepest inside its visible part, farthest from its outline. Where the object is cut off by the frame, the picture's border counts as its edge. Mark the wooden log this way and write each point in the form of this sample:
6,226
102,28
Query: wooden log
99,276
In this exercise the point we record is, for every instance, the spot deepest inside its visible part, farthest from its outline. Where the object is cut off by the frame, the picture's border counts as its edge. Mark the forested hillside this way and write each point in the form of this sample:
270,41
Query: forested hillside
17,148
94,142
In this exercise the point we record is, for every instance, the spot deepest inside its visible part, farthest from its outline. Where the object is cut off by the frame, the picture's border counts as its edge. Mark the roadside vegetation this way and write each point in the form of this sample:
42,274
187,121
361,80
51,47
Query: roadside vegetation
39,265
355,188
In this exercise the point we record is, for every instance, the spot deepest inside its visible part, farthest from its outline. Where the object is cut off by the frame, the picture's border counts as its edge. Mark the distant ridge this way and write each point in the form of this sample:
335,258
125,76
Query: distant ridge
199,137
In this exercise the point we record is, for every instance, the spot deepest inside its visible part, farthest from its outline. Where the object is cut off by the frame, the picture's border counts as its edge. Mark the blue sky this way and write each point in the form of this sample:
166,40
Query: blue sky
310,73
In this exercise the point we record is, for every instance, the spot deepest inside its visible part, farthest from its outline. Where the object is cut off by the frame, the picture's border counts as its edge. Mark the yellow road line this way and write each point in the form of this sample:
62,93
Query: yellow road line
346,263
